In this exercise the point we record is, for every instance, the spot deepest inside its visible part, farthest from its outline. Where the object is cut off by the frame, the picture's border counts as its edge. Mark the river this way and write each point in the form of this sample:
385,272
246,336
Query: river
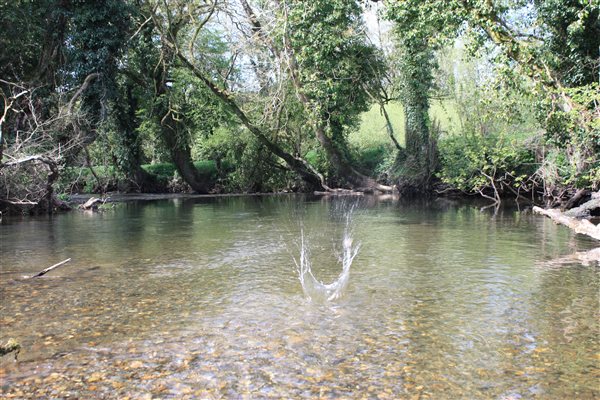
201,298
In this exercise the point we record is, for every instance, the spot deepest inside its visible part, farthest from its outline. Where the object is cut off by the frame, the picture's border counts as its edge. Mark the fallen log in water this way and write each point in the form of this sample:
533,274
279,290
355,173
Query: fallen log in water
584,210
44,272
582,226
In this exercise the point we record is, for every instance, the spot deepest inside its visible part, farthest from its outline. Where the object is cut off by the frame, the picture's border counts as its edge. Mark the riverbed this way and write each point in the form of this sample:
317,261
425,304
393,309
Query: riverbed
201,298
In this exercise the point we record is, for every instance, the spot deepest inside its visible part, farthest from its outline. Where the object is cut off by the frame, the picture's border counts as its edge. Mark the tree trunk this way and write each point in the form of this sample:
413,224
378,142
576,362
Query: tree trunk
170,127
181,156
388,126
415,70
52,177
296,164
129,123
417,132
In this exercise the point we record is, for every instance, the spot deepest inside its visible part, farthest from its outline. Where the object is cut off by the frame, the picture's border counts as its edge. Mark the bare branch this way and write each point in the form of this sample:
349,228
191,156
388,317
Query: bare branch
201,25
86,83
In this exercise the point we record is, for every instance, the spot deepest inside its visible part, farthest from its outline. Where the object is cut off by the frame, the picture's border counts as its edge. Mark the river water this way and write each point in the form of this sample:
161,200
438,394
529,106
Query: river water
202,298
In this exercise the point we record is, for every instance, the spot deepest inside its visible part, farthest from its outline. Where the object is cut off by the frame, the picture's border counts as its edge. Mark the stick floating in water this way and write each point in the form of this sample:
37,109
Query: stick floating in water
44,272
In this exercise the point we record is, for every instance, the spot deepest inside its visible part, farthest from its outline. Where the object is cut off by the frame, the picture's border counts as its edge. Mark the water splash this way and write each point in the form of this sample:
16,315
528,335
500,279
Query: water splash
315,289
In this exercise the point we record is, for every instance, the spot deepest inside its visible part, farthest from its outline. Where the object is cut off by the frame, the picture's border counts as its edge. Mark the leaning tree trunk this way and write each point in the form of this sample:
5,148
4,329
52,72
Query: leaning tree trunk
296,164
335,157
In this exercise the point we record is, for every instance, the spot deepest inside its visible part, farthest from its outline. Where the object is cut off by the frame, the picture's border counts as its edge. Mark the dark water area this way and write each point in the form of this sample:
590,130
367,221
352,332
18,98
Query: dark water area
201,298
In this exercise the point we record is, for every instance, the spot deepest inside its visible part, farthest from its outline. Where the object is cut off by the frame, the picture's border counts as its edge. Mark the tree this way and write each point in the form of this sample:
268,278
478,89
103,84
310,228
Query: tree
323,49
55,90
419,31
169,21
557,49
333,68
415,67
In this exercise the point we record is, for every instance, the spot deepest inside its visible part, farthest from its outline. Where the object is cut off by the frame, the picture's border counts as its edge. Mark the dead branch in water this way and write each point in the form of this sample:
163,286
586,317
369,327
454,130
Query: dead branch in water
44,272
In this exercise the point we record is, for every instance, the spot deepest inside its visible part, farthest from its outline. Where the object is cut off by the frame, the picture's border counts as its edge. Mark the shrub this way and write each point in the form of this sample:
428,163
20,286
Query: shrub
486,164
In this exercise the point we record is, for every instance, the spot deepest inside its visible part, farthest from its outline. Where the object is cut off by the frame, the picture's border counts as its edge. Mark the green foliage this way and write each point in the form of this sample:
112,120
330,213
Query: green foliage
97,35
82,180
23,24
198,111
147,106
419,30
318,159
560,67
476,163
576,133
242,164
163,171
336,63
572,38
98,31
498,134
437,21
370,159
496,101
337,66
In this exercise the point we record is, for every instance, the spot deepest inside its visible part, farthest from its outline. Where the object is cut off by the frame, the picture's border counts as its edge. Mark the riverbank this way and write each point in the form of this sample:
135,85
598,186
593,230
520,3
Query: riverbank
78,199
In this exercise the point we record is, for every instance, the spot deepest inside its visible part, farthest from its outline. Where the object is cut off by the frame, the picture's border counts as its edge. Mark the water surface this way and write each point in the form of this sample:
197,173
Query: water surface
201,298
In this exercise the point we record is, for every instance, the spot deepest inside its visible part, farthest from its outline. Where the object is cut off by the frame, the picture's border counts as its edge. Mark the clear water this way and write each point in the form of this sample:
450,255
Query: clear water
202,298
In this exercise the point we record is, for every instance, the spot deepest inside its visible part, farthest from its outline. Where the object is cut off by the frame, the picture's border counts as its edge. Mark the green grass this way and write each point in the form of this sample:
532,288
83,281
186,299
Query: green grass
167,170
373,133
161,170
446,112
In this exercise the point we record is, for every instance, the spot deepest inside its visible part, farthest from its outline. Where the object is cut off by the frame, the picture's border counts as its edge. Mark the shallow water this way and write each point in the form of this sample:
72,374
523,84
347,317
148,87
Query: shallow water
201,298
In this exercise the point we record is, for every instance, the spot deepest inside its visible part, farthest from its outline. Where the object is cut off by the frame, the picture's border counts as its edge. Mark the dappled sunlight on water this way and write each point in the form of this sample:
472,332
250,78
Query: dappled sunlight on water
202,299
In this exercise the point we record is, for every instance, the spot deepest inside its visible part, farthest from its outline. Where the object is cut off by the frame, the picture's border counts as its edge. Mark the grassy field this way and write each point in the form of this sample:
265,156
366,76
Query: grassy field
372,131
